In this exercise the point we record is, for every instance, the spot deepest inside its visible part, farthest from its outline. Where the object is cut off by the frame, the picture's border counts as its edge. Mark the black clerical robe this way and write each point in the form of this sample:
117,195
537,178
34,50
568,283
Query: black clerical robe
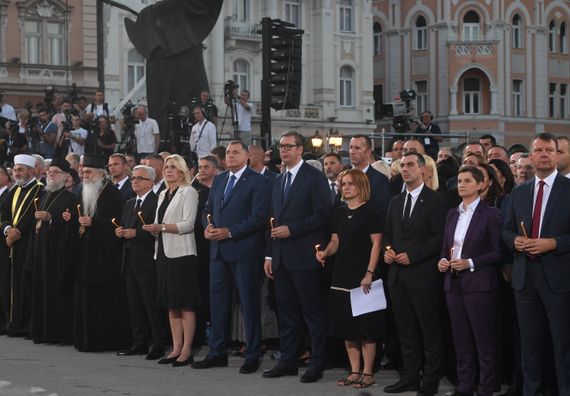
100,317
18,212
52,270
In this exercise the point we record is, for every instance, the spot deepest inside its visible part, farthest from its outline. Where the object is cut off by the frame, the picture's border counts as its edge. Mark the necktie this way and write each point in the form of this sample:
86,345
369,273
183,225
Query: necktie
287,186
135,212
333,192
138,205
229,187
408,208
535,227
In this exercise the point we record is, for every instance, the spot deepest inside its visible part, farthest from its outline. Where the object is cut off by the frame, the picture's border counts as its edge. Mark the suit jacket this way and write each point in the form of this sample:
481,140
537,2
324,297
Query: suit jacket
555,224
140,249
127,191
396,184
482,245
3,196
379,189
306,211
421,240
245,212
182,212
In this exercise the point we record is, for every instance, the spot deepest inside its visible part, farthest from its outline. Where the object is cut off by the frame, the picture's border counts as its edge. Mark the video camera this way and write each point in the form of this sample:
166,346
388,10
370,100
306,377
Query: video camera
229,89
128,139
401,112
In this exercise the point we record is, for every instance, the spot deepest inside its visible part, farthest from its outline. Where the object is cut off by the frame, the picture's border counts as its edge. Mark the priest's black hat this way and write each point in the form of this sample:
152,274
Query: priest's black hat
96,161
61,164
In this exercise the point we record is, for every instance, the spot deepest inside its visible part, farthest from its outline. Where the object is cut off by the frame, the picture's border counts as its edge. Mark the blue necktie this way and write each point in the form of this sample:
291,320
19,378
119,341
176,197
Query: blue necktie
287,185
229,187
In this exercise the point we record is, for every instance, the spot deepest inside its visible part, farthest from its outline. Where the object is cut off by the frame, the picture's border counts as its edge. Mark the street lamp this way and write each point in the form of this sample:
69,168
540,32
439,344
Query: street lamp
335,139
317,140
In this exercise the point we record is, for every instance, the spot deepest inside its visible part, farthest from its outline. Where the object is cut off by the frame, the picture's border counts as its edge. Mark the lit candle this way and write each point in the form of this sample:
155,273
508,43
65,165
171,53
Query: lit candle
317,248
36,203
524,229
141,217
115,223
389,247
271,220
209,217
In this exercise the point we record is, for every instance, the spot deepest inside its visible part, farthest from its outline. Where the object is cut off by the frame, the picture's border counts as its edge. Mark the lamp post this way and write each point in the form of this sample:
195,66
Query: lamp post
317,141
335,140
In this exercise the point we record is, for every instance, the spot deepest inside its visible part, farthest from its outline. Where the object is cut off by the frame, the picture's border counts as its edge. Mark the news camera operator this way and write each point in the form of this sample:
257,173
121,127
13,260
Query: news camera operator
241,111
208,106
147,134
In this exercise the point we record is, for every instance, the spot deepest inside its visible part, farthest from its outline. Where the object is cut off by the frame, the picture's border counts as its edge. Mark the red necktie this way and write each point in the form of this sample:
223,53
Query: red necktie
535,227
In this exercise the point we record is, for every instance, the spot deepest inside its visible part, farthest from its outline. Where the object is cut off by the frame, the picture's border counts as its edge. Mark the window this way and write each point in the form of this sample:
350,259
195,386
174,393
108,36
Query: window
422,97
135,68
378,100
345,15
377,38
471,95
33,41
346,86
292,12
517,32
44,42
552,100
563,100
421,33
241,74
241,10
552,37
55,43
563,46
471,28
517,97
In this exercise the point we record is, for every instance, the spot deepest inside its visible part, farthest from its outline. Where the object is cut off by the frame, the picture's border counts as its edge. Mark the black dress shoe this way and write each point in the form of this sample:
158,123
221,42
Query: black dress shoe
402,386
311,375
280,370
134,350
186,362
211,361
249,366
168,360
156,352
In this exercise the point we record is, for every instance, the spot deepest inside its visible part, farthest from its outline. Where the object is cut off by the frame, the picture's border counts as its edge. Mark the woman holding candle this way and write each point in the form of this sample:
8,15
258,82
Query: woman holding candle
471,250
175,252
356,239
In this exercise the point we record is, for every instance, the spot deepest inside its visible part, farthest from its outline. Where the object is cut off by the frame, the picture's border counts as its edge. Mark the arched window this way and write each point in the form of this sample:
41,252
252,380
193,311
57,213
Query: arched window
552,37
563,46
517,32
346,86
471,95
377,38
135,68
241,74
471,26
421,33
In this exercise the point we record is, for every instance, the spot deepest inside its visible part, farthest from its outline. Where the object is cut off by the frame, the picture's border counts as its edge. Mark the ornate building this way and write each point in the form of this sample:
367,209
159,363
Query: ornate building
500,66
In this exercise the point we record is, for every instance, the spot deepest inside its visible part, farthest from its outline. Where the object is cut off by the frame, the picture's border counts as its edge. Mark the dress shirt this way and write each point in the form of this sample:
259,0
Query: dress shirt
142,198
294,170
465,216
156,186
3,189
567,175
145,132
548,182
414,193
203,144
237,175
121,182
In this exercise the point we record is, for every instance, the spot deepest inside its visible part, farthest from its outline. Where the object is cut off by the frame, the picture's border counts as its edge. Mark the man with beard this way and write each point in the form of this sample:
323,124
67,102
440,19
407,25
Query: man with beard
52,260
17,215
99,321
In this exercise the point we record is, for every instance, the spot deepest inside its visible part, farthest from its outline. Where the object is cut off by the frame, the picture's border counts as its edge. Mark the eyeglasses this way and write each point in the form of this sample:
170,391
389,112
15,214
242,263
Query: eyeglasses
54,172
139,178
287,147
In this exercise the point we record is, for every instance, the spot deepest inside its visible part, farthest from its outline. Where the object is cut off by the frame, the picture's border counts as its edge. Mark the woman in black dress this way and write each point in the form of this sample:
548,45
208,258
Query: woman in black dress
178,287
356,239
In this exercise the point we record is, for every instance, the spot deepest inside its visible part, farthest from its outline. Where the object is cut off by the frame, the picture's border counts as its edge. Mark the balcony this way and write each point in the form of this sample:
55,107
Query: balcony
241,30
473,49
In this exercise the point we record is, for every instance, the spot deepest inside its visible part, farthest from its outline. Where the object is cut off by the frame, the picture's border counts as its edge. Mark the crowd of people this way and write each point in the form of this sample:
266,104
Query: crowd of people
137,253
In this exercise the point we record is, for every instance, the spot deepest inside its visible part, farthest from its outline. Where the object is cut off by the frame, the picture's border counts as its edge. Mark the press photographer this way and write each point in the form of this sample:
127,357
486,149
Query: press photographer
179,128
128,144
48,134
73,136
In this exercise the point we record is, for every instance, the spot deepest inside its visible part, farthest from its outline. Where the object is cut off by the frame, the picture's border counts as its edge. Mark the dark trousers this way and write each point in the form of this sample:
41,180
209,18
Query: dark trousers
539,308
144,315
473,323
417,316
299,297
246,275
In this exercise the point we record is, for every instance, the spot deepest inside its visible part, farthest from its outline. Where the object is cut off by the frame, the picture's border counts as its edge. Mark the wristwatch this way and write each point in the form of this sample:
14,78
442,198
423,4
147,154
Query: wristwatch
163,228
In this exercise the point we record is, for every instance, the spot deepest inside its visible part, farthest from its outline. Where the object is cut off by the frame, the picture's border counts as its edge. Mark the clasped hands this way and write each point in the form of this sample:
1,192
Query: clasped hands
127,233
212,233
42,215
456,265
534,246
390,257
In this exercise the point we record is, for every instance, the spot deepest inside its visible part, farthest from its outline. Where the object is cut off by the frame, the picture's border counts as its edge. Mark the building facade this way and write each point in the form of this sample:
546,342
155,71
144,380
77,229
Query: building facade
500,66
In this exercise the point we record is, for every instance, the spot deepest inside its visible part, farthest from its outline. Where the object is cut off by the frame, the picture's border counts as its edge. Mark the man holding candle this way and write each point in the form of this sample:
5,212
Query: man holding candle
139,268
17,214
541,265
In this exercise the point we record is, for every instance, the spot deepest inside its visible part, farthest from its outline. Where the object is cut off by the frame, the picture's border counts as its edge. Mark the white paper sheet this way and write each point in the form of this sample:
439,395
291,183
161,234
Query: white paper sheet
362,303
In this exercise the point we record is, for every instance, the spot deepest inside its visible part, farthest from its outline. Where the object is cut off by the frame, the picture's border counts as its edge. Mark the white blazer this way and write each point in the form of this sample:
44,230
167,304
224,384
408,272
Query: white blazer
182,212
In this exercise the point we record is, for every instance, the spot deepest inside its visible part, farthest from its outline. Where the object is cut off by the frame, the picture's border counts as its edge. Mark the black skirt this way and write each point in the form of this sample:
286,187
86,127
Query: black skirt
344,326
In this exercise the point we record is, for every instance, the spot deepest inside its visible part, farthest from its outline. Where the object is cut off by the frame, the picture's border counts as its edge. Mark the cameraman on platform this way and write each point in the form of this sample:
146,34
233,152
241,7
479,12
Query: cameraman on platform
244,110
146,133
431,143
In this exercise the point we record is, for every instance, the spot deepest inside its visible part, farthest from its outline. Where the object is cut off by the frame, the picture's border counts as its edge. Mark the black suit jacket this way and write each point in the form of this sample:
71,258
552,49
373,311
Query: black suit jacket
127,191
555,224
421,240
140,249
379,189
3,196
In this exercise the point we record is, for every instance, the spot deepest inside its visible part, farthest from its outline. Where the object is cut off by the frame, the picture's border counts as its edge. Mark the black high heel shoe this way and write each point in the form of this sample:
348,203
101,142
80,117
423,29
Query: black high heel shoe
186,362
168,360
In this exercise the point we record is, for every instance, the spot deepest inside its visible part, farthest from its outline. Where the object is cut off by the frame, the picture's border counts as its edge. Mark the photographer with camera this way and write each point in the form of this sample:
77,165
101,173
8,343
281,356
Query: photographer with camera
74,138
208,106
48,134
244,112
99,108
63,115
431,143
203,136
146,133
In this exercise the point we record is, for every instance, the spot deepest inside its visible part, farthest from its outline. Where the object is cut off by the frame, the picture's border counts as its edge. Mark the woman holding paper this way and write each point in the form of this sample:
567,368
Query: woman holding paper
356,239
471,251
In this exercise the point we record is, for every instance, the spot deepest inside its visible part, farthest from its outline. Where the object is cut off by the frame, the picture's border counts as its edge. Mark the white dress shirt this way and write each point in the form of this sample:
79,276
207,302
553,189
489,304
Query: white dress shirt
415,193
465,216
294,170
548,182
145,132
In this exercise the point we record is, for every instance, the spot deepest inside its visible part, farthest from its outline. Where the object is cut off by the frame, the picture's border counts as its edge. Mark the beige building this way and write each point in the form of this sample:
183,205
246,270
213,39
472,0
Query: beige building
487,66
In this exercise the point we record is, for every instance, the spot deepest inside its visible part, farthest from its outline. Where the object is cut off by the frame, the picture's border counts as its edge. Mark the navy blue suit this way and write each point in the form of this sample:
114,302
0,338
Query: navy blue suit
542,283
379,189
306,210
245,213
127,191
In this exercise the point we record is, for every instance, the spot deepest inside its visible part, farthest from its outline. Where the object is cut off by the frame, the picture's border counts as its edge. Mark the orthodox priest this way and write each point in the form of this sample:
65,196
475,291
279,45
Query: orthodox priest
99,321
17,216
52,260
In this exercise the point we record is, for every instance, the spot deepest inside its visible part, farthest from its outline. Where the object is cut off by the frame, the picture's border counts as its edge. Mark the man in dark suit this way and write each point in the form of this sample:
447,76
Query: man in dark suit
412,242
235,218
119,170
332,166
301,209
537,229
360,151
139,268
